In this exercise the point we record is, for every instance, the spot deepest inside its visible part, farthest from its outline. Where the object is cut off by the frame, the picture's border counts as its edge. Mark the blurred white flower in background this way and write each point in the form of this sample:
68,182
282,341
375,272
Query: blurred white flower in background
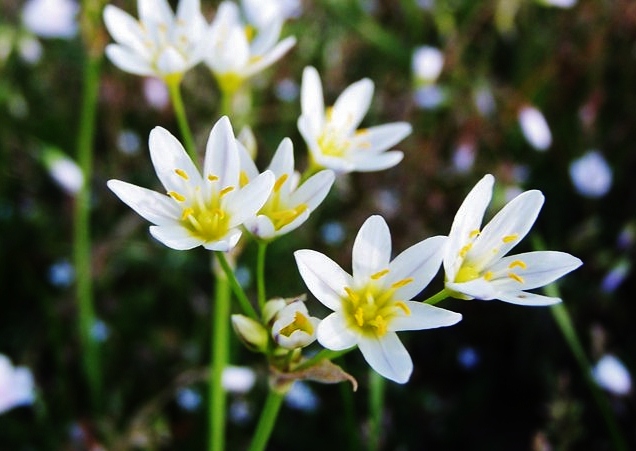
238,379
591,175
16,385
156,93
63,170
558,3
611,375
51,18
427,64
29,49
535,128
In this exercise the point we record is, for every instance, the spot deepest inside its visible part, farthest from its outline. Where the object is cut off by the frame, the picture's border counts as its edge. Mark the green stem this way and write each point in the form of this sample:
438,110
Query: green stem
219,348
438,297
182,119
267,420
236,287
376,405
81,230
260,273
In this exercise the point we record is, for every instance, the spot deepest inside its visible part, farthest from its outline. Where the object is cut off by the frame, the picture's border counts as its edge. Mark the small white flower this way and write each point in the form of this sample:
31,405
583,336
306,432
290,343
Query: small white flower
66,173
16,385
474,259
238,379
200,209
332,136
293,327
51,18
374,303
161,43
535,128
591,175
611,374
236,50
156,93
427,64
289,205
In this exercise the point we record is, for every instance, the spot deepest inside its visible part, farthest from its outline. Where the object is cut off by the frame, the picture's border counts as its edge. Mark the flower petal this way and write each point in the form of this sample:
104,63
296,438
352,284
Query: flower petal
128,60
171,61
333,333
314,190
270,57
246,202
387,356
283,159
371,248
323,277
423,316
352,105
150,205
312,102
535,269
377,139
527,299
478,289
124,29
222,155
225,243
168,156
155,12
175,237
369,163
261,227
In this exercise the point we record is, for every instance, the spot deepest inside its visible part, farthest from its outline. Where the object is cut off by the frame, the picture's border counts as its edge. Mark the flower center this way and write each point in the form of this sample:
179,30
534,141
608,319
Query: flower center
277,209
371,308
301,322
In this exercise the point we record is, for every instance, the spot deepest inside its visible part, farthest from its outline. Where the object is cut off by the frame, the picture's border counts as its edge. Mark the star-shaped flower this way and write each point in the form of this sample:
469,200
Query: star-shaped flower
374,303
475,262
160,44
200,209
332,135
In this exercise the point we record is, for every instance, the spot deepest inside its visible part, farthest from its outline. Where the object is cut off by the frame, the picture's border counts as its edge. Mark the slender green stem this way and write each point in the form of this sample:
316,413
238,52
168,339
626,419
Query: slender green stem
236,287
260,273
325,354
267,420
438,297
219,348
182,119
81,231
376,406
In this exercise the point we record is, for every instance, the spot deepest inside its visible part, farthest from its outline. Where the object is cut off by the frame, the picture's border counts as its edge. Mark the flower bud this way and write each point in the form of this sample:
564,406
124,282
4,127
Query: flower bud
251,332
271,309
293,327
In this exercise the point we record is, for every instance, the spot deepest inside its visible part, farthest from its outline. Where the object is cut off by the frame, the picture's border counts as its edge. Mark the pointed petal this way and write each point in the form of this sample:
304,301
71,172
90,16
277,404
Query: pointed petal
175,237
225,244
371,248
150,205
314,190
535,269
514,220
171,61
362,162
377,139
270,57
388,357
246,163
124,28
352,105
283,159
333,333
468,218
155,12
420,263
168,156
312,102
249,200
221,154
266,37
189,11
128,60
423,316
527,299
478,289
323,277
261,227
300,220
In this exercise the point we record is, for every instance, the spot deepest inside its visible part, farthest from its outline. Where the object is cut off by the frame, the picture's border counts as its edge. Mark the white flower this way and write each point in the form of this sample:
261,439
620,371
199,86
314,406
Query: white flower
200,209
161,43
591,175
66,173
535,128
474,259
238,379
289,204
427,64
373,304
51,18
610,373
236,50
16,385
331,134
293,327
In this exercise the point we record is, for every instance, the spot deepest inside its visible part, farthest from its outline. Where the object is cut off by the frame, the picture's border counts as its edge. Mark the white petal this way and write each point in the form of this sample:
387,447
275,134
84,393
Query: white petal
124,28
297,222
468,219
247,164
189,11
478,288
369,163
155,12
261,227
168,155
248,201
323,277
175,237
314,190
377,139
222,155
226,243
312,102
527,299
352,105
267,35
150,205
128,60
388,357
514,220
423,316
419,262
283,159
536,268
271,57
371,248
333,333
171,61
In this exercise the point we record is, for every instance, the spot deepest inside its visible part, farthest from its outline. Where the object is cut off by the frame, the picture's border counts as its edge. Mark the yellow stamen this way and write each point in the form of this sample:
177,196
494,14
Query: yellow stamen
176,196
379,274
353,296
474,233
187,212
402,306
510,238
359,316
301,322
488,275
250,32
466,273
464,250
380,324
181,173
280,182
225,190
518,263
516,277
243,179
212,178
401,283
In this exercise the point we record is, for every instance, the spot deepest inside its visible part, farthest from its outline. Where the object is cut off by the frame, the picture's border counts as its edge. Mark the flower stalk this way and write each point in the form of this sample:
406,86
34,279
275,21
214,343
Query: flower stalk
182,119
267,420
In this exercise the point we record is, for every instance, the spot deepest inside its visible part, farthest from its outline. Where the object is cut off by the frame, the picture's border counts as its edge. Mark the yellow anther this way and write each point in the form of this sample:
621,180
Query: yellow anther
212,178
379,274
464,250
187,212
243,179
328,113
402,306
488,275
176,196
401,283
353,296
301,322
510,238
181,173
225,190
362,132
518,263
380,324
359,316
466,273
250,32
218,213
515,277
474,233
280,182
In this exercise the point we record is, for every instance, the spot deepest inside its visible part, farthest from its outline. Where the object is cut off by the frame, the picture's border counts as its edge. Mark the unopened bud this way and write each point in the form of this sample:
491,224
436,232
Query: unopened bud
251,332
